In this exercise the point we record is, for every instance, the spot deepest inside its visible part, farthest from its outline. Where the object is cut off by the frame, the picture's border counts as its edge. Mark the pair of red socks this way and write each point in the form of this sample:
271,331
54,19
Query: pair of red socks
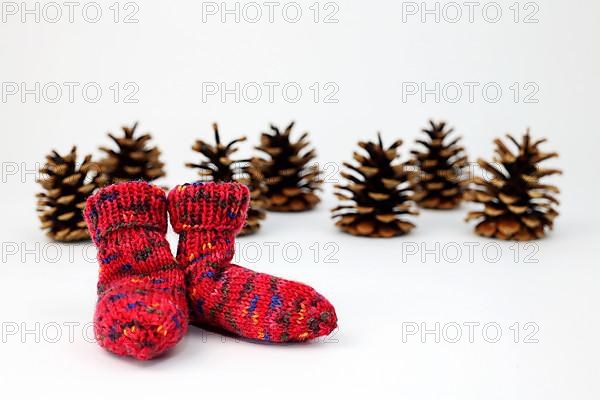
146,297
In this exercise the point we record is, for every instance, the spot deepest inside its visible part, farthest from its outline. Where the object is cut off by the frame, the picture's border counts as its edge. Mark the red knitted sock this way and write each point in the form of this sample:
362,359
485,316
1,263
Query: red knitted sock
141,309
249,304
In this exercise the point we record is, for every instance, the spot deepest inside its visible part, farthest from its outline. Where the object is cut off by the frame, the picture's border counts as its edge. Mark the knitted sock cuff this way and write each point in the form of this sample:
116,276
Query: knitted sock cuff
126,205
209,206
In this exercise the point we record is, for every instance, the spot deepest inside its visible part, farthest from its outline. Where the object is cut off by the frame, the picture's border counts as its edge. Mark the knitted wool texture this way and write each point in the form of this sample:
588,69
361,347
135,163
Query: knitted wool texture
142,309
226,296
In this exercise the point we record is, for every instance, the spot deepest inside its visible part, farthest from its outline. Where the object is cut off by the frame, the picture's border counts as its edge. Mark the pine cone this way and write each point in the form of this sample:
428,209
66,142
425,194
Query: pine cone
439,181
67,185
133,160
290,182
378,195
219,167
516,205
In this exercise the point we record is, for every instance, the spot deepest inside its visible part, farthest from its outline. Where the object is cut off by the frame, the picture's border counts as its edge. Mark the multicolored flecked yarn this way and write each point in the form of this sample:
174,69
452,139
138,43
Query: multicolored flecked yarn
142,309
250,304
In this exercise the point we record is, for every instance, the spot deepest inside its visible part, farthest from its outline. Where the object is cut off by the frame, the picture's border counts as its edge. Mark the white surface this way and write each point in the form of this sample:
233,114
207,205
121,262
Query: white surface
369,53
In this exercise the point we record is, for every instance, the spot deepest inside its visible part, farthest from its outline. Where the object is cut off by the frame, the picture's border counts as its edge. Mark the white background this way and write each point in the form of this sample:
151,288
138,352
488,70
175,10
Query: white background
377,286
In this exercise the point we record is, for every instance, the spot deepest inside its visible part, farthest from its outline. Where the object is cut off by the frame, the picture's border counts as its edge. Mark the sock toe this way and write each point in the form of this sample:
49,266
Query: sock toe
139,322
322,318
314,315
